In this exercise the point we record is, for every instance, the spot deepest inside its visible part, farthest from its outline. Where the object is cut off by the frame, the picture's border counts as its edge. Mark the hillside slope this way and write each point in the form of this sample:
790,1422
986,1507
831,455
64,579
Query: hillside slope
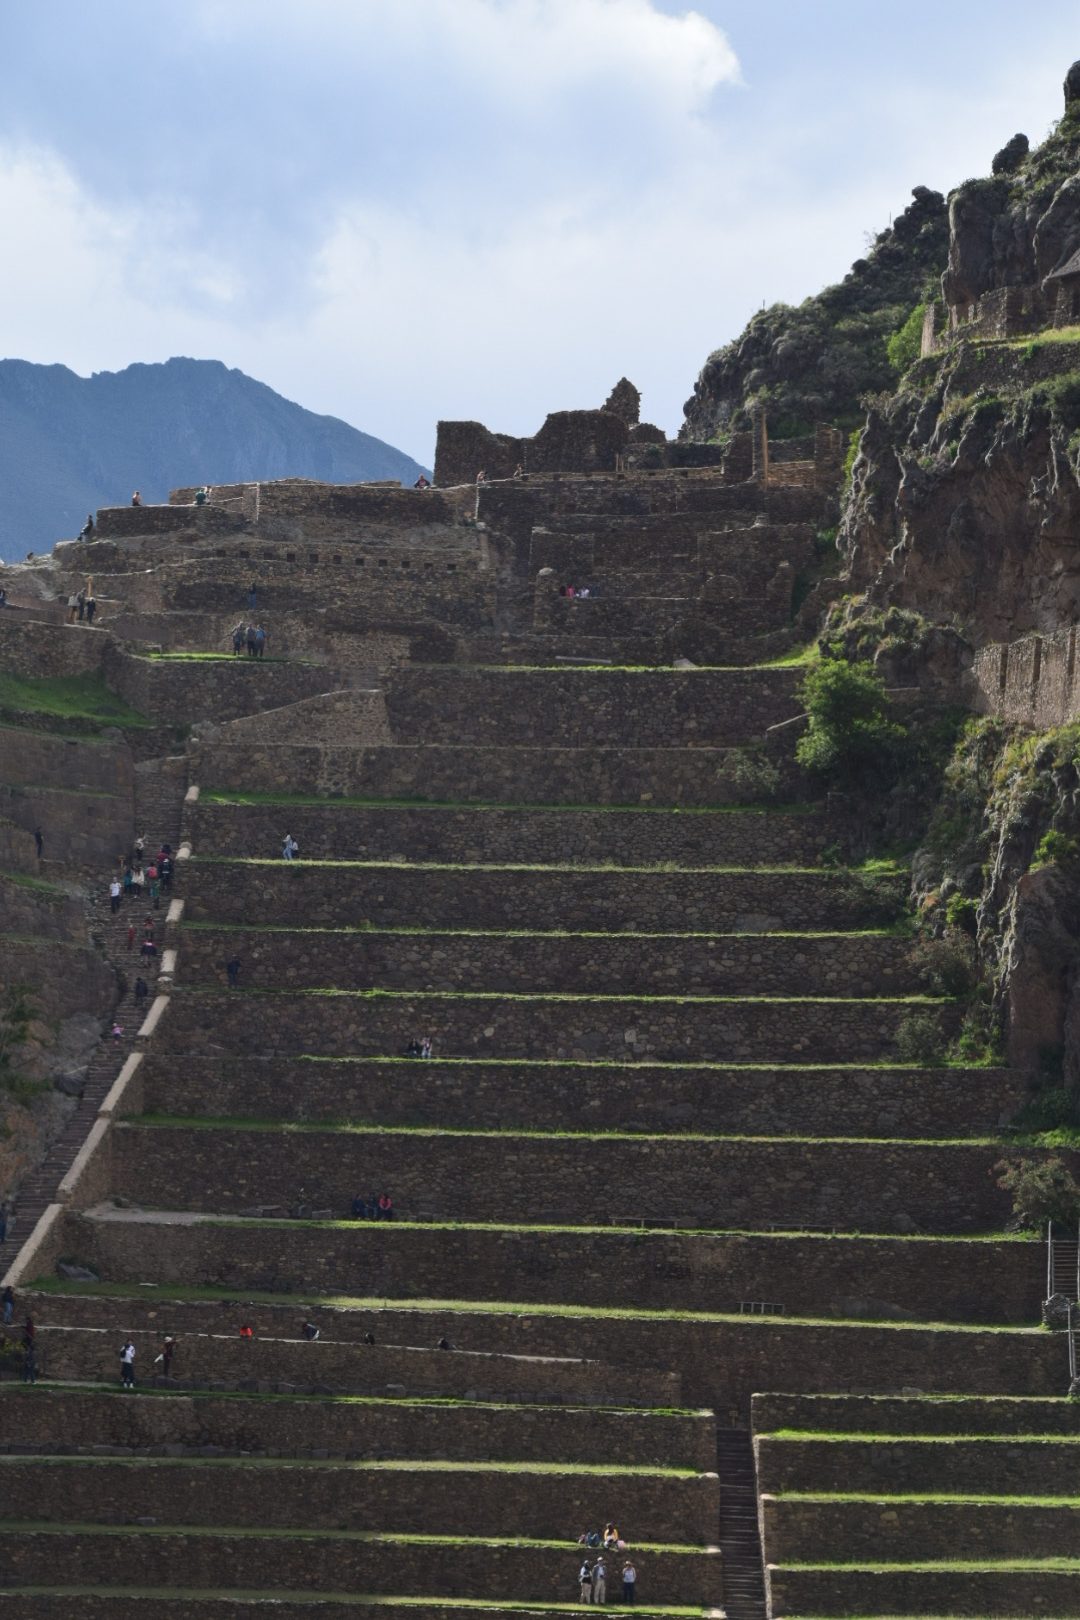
69,444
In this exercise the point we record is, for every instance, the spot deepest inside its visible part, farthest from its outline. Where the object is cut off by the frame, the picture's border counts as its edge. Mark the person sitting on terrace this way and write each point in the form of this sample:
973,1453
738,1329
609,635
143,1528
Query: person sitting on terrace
246,1331
309,1330
611,1536
413,1049
384,1210
88,527
422,483
519,471
425,1047
289,848
136,499
202,496
359,1208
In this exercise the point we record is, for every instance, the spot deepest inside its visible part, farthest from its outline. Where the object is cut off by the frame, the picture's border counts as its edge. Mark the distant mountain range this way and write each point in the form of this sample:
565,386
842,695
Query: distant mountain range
70,444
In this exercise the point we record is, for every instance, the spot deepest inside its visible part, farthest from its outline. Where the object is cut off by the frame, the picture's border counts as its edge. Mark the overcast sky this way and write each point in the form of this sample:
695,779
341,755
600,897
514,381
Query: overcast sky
396,210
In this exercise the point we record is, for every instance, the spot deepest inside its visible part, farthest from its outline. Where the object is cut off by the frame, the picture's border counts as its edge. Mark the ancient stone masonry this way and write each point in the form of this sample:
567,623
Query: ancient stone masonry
663,1154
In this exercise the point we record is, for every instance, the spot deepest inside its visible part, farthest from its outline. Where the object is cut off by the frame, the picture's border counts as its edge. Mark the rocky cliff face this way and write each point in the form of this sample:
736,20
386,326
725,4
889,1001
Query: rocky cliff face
1023,222
813,363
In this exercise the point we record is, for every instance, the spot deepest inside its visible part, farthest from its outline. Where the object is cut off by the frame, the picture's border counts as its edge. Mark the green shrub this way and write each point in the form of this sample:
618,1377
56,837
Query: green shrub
918,1040
755,779
1041,1189
905,345
961,913
1055,849
947,966
850,733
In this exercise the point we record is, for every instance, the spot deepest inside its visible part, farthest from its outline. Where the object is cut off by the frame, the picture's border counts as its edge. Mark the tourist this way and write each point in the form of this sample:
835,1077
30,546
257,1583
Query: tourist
140,847
289,848
114,895
152,881
73,607
239,636
629,1583
91,609
599,1581
481,477
165,866
138,878
260,641
3,596
309,1330
81,599
39,842
202,496
232,968
519,471
422,483
585,1581
141,992
148,950
247,1332
164,1357
7,1300
443,1344
611,1536
29,1371
136,499
127,1364
249,634
117,1033
425,1047
359,1208
385,1208
87,529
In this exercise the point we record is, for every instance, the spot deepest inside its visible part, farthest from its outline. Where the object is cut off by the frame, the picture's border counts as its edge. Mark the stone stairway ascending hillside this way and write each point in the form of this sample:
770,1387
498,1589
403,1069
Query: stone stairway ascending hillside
663,1159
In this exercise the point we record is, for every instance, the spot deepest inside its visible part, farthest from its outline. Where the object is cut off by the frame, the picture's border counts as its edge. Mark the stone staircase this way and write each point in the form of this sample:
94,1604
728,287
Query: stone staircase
664,1158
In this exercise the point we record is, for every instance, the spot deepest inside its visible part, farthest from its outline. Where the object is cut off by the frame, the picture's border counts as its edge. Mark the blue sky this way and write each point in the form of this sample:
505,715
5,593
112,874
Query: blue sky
396,210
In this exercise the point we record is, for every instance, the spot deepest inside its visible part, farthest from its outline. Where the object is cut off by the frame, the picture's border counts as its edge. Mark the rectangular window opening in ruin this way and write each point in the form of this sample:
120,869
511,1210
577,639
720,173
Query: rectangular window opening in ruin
268,553
337,559
245,553
313,556
290,556
451,568
384,562
360,561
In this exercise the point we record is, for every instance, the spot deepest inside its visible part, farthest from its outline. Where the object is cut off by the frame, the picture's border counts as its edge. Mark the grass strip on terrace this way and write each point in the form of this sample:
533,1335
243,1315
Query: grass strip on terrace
620,1064
70,1386
305,1127
517,1309
343,802
958,1566
276,1598
562,1229
382,1465
262,1533
897,931
216,658
930,1498
668,868
72,697
800,1436
209,992
26,880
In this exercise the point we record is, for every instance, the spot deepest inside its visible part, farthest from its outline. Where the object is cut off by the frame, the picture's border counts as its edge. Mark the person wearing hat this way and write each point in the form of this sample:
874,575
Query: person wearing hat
165,1355
585,1581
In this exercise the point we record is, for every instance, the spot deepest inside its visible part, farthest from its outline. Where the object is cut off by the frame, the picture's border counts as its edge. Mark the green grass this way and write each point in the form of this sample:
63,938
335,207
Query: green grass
538,997
374,930
26,880
795,658
71,697
958,1566
262,1533
277,1597
216,658
351,1465
800,1436
63,1386
198,1122
343,802
667,868
440,1308
563,1229
868,1066
890,1499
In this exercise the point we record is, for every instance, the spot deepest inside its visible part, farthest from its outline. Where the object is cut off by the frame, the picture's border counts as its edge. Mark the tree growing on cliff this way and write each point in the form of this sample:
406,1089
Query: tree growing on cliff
1042,1190
851,735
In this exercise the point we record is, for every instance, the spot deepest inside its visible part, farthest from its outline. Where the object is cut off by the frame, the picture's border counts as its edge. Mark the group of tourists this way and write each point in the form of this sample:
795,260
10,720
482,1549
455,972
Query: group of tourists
593,1579
249,636
135,875
372,1209
81,606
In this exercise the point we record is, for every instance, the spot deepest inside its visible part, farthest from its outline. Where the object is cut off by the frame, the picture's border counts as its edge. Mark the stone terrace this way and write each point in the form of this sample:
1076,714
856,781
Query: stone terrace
662,1159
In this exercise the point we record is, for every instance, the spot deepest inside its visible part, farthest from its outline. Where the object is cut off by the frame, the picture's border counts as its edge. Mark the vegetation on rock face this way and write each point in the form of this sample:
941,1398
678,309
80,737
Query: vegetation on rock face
812,363
1042,1190
850,734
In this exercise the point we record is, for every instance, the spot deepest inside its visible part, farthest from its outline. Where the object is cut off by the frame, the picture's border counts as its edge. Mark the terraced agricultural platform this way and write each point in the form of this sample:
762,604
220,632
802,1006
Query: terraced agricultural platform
664,1159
